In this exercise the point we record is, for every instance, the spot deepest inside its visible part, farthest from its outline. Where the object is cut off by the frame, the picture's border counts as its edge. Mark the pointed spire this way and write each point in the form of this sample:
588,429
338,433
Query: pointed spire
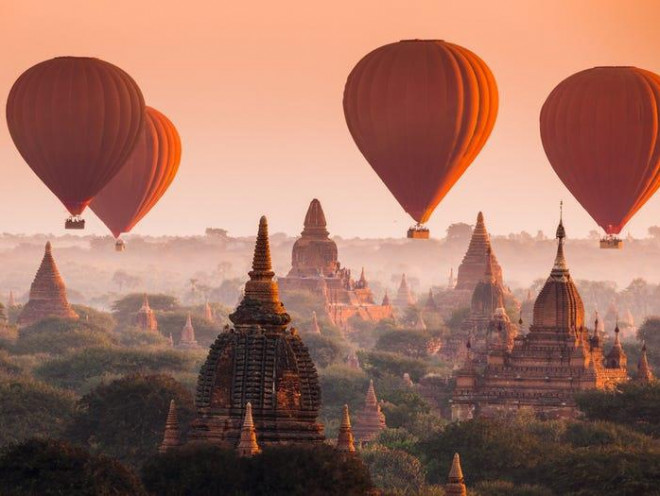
451,282
247,444
315,223
644,373
430,302
345,443
371,419
386,300
188,334
420,325
456,484
371,399
314,328
560,267
404,297
208,312
362,283
616,358
12,301
171,437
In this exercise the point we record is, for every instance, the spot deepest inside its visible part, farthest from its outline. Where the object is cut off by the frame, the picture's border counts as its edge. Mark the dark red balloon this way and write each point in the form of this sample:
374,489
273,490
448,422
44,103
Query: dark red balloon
75,121
144,178
420,111
599,129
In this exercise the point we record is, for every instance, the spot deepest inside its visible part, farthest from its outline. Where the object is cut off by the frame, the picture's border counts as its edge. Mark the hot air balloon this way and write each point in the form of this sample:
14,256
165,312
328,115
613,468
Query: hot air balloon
599,129
420,111
75,121
143,179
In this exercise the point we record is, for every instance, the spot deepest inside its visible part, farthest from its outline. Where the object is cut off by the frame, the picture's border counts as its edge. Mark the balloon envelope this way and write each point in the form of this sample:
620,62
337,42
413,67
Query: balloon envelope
75,121
599,129
144,178
420,111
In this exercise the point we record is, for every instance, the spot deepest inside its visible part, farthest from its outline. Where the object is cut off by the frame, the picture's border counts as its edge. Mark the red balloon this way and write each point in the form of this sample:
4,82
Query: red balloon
599,129
144,178
75,121
420,111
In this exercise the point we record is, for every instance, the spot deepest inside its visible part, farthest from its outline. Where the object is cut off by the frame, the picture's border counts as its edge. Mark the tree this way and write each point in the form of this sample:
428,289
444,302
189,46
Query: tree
380,364
409,342
649,333
47,467
122,278
282,470
126,418
393,469
30,408
323,350
58,336
459,231
654,232
125,309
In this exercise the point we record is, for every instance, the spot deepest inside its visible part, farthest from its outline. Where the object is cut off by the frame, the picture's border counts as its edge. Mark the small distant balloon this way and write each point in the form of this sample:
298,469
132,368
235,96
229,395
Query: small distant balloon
75,121
144,178
599,129
420,111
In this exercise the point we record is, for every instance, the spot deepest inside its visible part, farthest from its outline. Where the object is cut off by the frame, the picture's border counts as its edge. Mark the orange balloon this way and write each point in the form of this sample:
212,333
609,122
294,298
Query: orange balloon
420,111
144,178
600,131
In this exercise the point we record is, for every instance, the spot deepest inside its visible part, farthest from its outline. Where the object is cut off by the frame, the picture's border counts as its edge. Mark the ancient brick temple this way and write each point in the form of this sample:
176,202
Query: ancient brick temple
47,294
473,265
145,318
404,297
543,369
315,267
260,360
370,420
187,340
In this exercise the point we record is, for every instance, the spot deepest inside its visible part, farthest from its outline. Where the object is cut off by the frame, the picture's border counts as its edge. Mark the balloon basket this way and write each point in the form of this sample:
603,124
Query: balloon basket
120,246
74,223
418,232
611,243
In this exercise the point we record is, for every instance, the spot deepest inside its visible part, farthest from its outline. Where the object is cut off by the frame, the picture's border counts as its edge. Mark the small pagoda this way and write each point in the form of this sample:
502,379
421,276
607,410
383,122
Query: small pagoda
456,483
47,294
145,318
262,361
473,265
172,435
188,341
370,420
404,297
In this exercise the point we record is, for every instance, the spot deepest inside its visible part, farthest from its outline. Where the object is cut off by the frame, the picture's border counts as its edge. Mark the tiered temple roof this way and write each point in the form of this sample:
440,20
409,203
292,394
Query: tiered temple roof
456,484
146,318
472,268
188,340
370,421
47,294
172,435
546,367
262,361
345,442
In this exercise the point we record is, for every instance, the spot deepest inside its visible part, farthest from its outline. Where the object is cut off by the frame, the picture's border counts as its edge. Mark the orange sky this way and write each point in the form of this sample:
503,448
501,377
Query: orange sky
255,89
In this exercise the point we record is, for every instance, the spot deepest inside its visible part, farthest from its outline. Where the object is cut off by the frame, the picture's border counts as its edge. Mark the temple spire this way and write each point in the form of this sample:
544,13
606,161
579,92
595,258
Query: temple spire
171,437
247,444
488,272
315,223
386,300
315,328
208,312
456,484
644,373
362,283
188,334
560,267
12,301
370,420
420,325
345,442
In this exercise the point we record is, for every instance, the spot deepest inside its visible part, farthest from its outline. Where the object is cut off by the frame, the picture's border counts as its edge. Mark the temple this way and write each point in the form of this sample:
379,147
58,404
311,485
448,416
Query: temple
370,420
247,443
542,370
644,373
314,327
261,361
47,294
187,340
404,297
456,484
473,265
145,318
172,436
345,441
208,312
315,268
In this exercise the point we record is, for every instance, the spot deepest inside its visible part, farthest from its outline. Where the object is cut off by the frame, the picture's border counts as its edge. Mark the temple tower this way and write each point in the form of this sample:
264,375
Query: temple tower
386,300
430,305
456,484
262,361
345,442
146,318
314,328
172,435
404,297
644,373
314,253
188,340
47,294
472,268
11,302
208,312
616,358
247,443
370,421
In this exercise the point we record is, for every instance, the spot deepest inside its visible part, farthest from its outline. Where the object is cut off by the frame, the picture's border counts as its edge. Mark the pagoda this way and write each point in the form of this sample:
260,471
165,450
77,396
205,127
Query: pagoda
47,294
404,297
345,441
315,268
544,369
644,373
208,312
370,421
314,327
456,484
172,436
472,268
260,360
187,340
145,319
247,443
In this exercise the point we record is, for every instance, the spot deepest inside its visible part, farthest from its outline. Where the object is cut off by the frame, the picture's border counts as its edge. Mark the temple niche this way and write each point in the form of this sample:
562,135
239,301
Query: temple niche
315,268
262,362
542,370
47,294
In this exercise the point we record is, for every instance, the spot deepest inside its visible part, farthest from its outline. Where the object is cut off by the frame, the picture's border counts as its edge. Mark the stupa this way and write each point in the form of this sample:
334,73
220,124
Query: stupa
345,441
404,297
315,268
314,327
247,443
644,373
47,294
456,484
187,340
370,421
145,319
472,268
260,360
172,435
208,312
547,366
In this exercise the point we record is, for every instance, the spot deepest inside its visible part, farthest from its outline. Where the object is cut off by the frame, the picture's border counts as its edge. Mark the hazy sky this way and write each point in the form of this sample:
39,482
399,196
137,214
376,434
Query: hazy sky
255,89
